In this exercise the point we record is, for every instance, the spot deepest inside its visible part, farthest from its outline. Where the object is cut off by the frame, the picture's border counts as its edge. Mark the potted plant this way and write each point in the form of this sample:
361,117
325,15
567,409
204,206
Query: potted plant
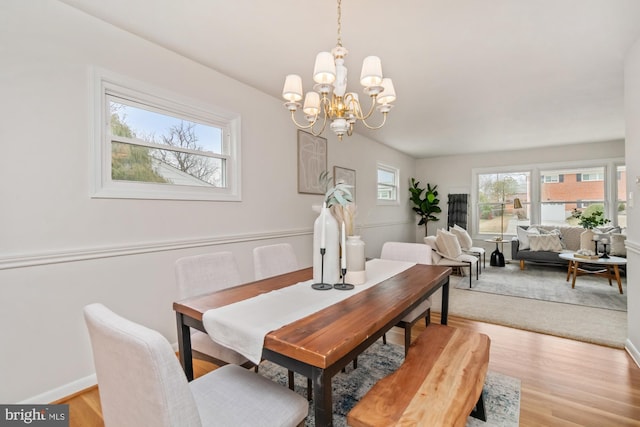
593,220
425,206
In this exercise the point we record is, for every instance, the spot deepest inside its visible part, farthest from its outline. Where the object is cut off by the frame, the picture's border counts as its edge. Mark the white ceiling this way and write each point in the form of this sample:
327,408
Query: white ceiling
471,75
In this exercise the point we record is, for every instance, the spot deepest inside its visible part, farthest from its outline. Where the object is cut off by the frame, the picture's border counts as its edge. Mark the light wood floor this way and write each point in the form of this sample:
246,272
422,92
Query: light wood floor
564,382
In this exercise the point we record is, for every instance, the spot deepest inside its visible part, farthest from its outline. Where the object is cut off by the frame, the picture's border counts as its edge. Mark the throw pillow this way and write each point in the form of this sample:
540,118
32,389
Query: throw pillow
545,242
617,245
448,244
463,237
523,236
431,241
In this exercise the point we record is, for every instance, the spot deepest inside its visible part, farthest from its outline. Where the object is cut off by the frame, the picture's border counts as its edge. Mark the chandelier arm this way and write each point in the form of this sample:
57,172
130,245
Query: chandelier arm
309,126
384,119
363,116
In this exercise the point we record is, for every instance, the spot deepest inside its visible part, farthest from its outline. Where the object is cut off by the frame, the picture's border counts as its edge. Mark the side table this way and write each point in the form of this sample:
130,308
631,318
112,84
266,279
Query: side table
497,257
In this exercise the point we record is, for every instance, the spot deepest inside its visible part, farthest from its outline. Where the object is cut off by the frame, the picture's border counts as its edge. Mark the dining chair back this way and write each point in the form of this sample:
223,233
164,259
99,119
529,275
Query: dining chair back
273,260
141,383
420,254
200,274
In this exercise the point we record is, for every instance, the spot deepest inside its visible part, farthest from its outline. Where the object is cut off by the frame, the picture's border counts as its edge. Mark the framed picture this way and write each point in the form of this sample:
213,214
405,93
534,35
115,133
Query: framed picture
348,176
312,161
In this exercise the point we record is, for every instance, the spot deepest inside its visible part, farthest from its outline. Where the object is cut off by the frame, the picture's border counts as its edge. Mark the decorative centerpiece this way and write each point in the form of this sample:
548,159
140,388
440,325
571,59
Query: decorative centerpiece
327,265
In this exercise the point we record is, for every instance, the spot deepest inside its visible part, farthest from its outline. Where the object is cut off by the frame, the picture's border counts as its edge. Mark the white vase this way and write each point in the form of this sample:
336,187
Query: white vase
586,240
331,273
356,274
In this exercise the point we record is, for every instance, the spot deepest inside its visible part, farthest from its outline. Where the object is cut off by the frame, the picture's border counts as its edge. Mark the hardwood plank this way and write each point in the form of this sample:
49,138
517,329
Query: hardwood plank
565,383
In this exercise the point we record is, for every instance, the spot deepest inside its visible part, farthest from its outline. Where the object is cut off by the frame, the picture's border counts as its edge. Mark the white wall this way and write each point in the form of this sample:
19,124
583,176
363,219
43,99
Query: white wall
632,117
61,249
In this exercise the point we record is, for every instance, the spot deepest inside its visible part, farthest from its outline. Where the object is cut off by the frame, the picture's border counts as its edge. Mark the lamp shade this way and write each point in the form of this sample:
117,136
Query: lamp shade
517,204
292,90
324,71
371,74
311,103
388,94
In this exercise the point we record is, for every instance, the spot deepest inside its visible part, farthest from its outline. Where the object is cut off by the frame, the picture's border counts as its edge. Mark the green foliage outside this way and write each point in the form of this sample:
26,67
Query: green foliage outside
130,162
593,216
425,207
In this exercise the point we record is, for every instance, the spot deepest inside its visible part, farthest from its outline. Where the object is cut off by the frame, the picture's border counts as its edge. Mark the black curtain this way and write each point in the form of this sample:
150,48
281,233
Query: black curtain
457,210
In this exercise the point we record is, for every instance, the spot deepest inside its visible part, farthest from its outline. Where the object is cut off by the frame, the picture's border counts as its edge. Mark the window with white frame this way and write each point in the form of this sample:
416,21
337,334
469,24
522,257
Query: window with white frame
388,178
162,146
549,195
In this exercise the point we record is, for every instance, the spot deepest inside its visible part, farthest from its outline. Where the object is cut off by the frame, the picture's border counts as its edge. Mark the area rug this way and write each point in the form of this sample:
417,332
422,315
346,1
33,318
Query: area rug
582,323
549,283
502,393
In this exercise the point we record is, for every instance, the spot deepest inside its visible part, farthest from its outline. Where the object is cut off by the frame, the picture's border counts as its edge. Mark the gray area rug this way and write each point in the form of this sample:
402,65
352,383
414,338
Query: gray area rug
549,283
578,322
502,393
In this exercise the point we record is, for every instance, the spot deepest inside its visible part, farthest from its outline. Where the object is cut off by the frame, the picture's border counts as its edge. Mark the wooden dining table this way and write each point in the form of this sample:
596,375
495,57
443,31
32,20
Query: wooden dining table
318,346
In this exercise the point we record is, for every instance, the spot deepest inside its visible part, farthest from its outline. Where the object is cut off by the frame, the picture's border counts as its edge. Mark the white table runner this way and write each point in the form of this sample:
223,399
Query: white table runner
242,326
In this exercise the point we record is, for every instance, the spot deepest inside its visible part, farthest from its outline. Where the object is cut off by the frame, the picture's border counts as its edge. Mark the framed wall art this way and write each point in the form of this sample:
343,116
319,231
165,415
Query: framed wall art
348,176
312,161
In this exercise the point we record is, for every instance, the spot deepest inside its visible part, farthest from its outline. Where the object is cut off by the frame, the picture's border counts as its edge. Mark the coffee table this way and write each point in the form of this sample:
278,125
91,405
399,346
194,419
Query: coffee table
609,267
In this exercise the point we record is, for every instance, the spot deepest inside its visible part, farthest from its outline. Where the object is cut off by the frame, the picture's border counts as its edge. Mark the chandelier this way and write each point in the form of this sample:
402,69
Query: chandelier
329,101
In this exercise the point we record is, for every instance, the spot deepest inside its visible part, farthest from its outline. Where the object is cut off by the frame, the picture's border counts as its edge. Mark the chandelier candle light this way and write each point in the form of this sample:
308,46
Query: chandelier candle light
330,100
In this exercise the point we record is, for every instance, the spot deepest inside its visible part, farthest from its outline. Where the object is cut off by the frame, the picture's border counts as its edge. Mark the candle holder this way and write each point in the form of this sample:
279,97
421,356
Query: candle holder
322,286
343,286
604,254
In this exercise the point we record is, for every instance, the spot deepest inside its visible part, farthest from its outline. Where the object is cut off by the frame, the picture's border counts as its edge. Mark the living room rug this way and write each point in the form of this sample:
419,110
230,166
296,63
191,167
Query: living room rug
502,393
549,283
578,322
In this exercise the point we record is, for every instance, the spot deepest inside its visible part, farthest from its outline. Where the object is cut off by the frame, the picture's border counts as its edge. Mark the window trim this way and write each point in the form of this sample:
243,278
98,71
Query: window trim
396,185
106,83
610,191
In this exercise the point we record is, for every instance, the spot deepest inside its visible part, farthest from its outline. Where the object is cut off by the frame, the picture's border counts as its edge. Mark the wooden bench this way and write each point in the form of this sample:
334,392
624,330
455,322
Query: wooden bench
439,384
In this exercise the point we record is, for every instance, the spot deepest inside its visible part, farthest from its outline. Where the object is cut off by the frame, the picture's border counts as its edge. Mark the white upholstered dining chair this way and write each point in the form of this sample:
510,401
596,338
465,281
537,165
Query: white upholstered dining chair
141,383
273,260
200,274
420,254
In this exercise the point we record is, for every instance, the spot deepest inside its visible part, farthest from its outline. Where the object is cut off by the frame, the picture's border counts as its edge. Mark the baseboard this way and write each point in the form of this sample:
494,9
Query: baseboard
633,351
62,391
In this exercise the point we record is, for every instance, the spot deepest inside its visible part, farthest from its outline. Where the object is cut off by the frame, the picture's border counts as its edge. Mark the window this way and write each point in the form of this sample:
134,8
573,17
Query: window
549,195
581,188
387,184
162,147
621,195
495,198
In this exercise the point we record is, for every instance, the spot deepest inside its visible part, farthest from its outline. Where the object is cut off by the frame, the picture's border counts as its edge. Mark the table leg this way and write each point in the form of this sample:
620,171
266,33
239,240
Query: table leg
617,272
184,346
569,270
610,274
575,274
444,310
323,403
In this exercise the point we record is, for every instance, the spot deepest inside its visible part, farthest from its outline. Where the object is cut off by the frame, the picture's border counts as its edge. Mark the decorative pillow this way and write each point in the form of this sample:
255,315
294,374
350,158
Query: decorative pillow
558,233
617,245
545,242
431,241
523,236
448,244
463,237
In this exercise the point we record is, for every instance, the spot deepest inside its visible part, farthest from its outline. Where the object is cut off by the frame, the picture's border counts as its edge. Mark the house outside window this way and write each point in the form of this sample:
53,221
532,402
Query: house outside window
152,147
388,178
581,188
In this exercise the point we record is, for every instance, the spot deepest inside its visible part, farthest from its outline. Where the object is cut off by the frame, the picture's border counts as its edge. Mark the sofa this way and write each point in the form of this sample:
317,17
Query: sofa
521,250
540,247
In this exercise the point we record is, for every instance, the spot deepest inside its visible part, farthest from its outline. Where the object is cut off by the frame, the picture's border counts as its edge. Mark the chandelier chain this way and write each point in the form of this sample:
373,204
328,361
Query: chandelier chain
340,23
